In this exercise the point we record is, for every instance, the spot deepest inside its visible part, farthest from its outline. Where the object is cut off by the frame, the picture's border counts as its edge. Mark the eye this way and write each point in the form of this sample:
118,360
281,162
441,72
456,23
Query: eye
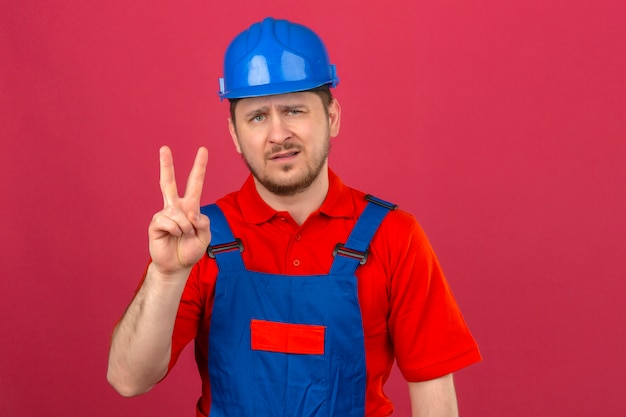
294,112
257,118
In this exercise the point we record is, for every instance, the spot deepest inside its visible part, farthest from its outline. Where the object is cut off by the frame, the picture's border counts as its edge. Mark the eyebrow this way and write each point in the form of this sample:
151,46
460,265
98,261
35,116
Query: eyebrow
256,111
281,107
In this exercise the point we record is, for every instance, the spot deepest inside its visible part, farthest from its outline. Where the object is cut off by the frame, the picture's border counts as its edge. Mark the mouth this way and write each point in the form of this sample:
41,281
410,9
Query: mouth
284,155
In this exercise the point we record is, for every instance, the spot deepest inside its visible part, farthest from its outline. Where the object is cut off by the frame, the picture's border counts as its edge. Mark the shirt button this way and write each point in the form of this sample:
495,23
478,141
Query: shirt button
298,237
296,262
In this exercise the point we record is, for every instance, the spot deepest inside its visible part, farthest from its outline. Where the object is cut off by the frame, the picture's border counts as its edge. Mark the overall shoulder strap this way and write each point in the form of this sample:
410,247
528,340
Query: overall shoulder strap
355,251
224,247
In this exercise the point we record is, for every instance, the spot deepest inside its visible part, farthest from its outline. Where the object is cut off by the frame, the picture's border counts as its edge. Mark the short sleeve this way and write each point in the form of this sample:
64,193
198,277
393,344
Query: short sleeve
429,334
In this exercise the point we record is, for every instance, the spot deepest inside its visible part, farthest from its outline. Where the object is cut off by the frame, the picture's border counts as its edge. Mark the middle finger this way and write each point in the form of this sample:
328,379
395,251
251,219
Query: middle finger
167,179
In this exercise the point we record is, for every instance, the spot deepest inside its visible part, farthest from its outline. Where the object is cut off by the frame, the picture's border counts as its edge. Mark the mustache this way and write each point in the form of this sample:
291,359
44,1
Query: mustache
287,146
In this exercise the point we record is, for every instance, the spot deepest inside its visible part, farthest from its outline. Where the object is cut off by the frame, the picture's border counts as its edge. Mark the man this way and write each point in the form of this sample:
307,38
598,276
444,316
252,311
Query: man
298,291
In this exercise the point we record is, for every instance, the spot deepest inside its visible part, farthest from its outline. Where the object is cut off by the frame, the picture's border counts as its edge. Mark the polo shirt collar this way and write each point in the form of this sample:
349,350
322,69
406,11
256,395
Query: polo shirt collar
338,201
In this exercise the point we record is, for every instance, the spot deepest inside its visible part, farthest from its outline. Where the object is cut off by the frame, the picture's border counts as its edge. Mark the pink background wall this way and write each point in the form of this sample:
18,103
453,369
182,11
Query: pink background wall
500,125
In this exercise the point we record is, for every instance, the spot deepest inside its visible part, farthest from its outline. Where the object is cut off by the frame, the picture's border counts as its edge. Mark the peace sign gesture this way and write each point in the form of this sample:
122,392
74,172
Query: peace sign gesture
179,234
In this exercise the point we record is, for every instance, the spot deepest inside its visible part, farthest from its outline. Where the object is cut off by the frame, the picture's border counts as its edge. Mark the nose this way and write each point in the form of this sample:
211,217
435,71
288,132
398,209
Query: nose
279,131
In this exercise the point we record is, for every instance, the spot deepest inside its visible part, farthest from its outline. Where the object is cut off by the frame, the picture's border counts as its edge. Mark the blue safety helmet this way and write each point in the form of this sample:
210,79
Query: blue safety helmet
275,57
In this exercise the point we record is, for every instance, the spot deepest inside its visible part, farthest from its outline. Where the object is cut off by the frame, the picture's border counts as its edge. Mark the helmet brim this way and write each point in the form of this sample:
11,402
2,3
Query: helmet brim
276,88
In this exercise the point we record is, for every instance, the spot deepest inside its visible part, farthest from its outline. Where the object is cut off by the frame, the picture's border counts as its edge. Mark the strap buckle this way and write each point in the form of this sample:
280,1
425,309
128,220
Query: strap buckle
340,249
224,247
380,202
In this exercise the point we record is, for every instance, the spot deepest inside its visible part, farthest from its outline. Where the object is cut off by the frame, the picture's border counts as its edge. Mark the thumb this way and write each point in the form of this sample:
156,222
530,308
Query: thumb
202,225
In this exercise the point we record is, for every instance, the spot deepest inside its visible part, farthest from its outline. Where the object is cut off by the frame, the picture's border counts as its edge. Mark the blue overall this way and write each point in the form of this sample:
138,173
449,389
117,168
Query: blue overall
288,346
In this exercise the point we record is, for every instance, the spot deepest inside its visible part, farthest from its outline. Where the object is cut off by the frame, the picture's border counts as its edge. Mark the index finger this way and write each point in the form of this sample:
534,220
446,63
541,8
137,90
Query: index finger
167,178
193,191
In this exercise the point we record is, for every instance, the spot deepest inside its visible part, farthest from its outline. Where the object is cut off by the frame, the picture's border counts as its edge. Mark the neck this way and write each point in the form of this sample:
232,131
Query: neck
302,204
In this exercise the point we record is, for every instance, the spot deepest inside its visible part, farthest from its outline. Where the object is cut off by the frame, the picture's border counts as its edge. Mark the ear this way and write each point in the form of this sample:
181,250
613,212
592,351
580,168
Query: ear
233,134
334,118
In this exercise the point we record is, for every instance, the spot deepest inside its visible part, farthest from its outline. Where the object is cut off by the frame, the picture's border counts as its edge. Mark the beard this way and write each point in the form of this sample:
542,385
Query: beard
294,185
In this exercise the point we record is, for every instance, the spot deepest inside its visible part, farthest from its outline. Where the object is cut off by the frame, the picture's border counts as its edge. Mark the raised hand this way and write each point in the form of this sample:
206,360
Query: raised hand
179,234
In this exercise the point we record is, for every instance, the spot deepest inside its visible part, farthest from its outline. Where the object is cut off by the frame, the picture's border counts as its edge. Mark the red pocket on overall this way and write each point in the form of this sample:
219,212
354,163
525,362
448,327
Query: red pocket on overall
274,336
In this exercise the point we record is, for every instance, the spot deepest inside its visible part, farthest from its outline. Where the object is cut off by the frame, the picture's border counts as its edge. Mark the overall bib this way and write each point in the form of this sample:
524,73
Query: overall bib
288,346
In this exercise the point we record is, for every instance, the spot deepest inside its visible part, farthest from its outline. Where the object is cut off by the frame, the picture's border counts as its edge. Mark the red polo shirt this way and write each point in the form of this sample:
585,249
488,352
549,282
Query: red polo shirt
408,310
